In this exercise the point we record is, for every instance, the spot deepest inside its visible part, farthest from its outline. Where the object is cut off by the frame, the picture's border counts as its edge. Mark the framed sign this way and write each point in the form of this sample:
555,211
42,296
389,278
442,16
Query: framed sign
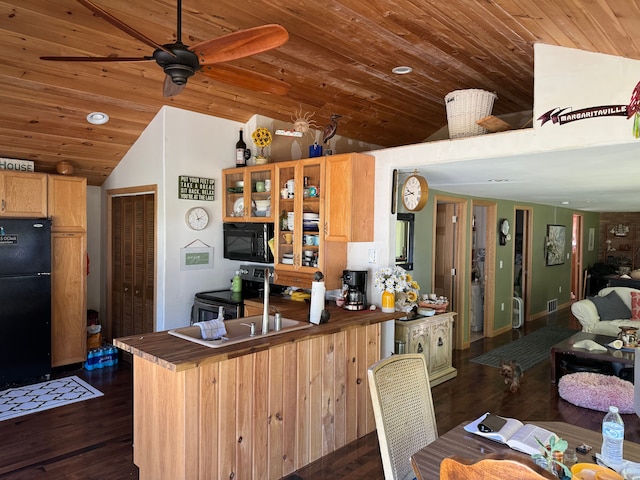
554,247
196,258
196,188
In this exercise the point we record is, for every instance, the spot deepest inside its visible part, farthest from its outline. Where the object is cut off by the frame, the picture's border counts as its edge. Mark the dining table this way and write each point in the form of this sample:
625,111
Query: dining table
459,442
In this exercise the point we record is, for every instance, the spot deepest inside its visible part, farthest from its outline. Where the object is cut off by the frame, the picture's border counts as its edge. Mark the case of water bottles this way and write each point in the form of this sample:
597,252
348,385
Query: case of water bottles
105,356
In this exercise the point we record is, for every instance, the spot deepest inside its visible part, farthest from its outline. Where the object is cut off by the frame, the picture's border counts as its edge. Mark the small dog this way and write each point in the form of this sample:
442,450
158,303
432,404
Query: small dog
512,373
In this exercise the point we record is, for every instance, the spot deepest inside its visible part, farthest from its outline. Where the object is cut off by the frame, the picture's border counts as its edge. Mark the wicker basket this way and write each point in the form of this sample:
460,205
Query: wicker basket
465,108
438,307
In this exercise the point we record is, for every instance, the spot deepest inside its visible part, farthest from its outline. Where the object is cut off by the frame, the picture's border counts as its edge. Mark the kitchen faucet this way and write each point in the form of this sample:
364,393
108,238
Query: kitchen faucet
265,313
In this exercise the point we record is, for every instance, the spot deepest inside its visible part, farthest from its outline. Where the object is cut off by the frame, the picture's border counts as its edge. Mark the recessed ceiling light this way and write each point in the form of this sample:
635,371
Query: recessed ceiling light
97,118
498,180
564,203
402,70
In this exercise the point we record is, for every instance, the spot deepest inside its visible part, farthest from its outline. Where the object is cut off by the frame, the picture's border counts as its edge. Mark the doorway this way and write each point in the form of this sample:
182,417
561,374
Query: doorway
131,261
449,269
577,272
482,286
522,266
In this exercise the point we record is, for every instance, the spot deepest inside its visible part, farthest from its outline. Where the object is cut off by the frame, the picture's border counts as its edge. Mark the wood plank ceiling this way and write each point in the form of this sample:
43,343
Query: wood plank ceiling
338,60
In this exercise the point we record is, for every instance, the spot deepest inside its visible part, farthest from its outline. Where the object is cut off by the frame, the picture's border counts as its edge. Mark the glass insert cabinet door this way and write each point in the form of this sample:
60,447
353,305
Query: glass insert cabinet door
299,238
249,194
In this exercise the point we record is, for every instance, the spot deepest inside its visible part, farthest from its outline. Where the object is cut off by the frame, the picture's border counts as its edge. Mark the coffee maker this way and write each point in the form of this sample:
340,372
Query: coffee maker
354,289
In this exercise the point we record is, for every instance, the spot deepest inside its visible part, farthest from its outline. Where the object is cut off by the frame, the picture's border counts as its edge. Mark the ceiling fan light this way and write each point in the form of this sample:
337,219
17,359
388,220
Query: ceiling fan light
97,118
402,70
179,73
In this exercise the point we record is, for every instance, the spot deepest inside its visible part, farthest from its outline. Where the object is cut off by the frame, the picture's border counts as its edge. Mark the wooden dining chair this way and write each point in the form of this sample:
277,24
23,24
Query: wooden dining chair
403,410
493,467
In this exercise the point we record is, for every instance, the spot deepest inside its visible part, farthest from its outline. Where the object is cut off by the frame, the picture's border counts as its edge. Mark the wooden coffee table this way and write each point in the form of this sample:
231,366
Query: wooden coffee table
566,350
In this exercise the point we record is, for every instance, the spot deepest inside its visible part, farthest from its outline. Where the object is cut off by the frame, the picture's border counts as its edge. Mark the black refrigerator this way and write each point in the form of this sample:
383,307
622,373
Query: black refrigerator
25,300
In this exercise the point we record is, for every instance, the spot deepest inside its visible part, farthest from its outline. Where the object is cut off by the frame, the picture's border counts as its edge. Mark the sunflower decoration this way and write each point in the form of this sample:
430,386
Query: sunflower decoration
261,138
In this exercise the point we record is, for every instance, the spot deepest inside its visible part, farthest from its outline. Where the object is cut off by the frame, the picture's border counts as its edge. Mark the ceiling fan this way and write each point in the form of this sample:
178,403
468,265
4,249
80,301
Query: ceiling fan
180,61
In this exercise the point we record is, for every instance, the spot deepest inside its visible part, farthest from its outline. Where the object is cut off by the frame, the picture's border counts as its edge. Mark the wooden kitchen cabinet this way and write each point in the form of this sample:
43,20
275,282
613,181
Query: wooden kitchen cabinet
67,203
23,194
261,414
68,298
241,206
431,336
298,258
349,197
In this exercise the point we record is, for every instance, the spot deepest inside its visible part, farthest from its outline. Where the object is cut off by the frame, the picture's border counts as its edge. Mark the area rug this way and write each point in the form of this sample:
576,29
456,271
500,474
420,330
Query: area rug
527,351
19,401
596,391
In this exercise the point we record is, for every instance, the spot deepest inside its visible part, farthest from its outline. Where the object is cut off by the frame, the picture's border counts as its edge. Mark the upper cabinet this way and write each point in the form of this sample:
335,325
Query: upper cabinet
248,194
67,210
23,194
349,197
317,206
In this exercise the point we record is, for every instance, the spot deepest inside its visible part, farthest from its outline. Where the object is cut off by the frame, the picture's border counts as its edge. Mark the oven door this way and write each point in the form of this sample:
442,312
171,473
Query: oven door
205,310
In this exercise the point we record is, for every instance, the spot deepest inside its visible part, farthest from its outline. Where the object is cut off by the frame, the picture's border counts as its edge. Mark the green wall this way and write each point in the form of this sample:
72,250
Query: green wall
547,282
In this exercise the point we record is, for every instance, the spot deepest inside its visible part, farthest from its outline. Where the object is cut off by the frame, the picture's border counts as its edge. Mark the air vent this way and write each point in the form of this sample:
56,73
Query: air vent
552,305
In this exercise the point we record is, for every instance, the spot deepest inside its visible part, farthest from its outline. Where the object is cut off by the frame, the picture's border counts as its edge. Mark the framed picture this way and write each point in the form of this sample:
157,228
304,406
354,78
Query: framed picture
196,258
554,248
592,239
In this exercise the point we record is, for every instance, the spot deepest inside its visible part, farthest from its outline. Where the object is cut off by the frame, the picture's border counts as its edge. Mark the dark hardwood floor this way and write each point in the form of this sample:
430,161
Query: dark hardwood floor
92,440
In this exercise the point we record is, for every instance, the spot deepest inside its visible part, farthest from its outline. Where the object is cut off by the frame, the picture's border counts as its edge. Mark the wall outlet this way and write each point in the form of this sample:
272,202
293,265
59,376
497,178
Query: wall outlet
560,289
502,307
501,267
373,257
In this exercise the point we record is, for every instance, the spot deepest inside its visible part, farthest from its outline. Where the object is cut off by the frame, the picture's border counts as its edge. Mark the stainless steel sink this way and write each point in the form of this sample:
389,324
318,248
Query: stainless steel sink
237,332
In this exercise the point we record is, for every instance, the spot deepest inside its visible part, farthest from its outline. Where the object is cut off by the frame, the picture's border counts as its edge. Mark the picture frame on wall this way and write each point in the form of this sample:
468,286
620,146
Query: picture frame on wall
555,244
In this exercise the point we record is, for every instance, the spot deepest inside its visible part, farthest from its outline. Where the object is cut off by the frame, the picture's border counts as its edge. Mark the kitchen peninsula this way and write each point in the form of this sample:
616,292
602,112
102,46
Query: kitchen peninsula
257,410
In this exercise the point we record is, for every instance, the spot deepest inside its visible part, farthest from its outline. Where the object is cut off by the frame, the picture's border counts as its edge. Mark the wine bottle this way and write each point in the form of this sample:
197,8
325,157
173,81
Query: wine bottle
241,147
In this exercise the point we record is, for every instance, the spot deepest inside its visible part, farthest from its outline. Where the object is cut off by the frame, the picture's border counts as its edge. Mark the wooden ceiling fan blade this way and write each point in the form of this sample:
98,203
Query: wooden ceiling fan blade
242,78
170,89
240,44
121,25
97,59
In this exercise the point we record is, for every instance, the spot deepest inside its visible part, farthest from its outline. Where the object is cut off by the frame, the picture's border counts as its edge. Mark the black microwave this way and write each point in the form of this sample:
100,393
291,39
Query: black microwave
247,242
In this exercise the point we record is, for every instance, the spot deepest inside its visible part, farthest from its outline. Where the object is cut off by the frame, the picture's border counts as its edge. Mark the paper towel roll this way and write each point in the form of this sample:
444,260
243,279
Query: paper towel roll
317,302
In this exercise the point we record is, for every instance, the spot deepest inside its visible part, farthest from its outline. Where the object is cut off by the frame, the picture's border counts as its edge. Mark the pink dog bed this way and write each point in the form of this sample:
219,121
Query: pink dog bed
596,391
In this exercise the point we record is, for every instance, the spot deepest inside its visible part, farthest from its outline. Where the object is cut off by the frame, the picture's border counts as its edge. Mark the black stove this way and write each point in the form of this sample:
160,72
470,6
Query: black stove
206,304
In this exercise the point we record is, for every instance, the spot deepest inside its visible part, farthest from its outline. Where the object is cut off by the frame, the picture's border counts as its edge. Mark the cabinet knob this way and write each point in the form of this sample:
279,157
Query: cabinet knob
126,289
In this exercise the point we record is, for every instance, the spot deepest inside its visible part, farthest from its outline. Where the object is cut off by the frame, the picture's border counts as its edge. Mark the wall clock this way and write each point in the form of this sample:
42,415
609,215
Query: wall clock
415,192
197,218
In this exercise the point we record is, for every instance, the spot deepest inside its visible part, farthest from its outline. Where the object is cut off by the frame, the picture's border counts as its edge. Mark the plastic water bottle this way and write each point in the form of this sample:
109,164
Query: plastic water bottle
612,437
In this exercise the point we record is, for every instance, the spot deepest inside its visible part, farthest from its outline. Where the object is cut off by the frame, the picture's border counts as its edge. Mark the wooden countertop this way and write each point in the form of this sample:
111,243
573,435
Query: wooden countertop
177,354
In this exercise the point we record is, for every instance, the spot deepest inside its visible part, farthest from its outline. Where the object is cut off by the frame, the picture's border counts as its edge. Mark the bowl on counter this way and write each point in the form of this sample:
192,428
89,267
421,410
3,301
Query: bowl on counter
427,312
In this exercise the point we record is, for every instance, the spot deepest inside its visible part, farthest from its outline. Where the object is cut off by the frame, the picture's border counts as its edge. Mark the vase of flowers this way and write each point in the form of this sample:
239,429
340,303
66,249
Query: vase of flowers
398,282
261,138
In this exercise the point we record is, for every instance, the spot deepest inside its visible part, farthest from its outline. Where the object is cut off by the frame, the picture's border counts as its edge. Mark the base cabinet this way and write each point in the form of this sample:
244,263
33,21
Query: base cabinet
431,336
261,415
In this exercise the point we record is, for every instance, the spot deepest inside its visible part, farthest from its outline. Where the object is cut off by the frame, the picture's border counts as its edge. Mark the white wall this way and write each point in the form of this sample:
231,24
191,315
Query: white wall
178,142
